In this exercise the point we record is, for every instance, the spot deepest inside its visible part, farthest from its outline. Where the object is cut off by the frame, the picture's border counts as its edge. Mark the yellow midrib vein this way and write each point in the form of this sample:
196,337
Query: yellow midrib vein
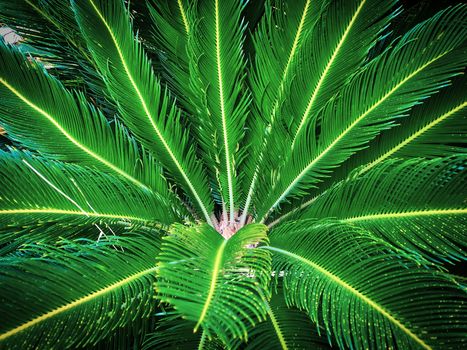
75,303
414,136
223,116
355,292
347,130
386,216
212,287
184,19
149,115
69,212
69,137
276,327
325,72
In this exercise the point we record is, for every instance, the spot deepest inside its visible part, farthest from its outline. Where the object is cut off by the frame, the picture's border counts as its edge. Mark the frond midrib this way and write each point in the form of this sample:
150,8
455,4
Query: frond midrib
212,287
149,115
405,214
70,212
285,73
415,135
355,292
75,303
223,115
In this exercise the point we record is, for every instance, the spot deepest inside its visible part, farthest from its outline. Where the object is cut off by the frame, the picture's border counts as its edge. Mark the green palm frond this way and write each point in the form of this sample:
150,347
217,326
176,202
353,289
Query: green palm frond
436,128
63,125
86,291
416,205
57,191
144,105
419,64
50,28
383,298
217,67
216,279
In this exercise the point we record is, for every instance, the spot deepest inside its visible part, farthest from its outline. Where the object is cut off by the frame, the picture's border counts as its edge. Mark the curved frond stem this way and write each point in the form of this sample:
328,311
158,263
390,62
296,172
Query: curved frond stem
183,14
415,213
67,307
212,287
149,115
71,138
69,212
223,114
412,137
355,292
275,324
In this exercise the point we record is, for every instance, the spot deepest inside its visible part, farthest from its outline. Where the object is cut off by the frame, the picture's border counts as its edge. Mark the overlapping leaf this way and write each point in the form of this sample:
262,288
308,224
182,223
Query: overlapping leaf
219,284
363,293
75,294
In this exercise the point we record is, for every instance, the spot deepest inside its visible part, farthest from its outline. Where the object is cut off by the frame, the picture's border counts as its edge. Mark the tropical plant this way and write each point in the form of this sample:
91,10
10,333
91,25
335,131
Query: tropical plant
204,182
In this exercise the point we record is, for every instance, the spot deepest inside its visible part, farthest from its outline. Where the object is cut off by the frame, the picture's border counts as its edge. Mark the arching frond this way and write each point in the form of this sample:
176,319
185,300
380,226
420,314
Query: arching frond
418,65
417,205
363,293
216,279
52,192
144,105
217,68
436,128
38,112
73,295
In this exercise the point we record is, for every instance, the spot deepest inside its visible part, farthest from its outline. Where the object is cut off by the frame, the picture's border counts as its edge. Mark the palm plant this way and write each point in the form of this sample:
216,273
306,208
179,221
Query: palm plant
204,182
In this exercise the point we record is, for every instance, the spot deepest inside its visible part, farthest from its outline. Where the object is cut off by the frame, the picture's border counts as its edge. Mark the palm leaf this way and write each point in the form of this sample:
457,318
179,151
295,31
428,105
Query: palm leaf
436,128
38,112
416,67
145,107
76,294
365,294
417,205
213,281
217,69
55,192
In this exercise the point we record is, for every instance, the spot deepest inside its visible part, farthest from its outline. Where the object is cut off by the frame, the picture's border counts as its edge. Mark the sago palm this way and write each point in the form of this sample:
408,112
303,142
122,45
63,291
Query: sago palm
204,182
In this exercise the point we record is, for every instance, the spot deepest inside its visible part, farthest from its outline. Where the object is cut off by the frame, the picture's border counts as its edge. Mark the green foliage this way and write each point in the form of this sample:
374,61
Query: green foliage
155,140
